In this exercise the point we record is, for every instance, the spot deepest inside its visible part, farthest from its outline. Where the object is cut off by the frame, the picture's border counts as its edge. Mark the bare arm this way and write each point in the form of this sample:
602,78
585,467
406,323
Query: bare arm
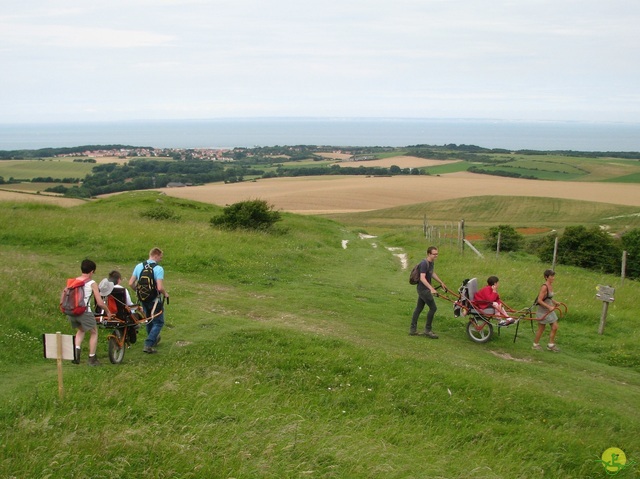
160,287
98,298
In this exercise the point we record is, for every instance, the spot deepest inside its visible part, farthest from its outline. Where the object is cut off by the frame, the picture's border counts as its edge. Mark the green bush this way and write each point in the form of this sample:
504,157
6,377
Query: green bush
161,213
251,215
590,248
631,244
510,239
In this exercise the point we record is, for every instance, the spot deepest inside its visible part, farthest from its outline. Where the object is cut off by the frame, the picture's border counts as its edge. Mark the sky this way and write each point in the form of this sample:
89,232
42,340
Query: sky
111,60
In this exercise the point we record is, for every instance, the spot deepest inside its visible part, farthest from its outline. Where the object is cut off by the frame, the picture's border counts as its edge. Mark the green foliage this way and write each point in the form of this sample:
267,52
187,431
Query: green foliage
510,239
78,192
590,248
251,215
631,244
499,172
160,213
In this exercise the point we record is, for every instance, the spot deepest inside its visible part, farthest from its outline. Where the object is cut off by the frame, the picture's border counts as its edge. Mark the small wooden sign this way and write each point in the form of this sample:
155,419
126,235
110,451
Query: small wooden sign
605,293
59,346
50,343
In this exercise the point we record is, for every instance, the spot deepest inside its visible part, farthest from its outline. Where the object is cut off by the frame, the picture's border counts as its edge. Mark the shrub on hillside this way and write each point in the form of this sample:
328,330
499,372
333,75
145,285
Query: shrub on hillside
631,244
160,213
252,215
590,248
510,239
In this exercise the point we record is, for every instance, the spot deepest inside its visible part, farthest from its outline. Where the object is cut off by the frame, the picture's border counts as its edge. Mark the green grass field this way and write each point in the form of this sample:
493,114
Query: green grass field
47,167
286,355
480,213
545,167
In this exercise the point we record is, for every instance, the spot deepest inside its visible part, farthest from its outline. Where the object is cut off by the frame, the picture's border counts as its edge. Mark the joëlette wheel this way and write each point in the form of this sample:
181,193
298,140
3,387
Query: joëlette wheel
479,331
116,351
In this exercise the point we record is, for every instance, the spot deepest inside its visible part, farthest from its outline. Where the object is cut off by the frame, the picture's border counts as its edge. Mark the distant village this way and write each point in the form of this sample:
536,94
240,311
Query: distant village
177,153
213,154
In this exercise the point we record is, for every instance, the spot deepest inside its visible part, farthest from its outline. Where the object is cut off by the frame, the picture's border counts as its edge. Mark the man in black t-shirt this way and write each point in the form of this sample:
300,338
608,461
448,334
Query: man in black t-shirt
425,294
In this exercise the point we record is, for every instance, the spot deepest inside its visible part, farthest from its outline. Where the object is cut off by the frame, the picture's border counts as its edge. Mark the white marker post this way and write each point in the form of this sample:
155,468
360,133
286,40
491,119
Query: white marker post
59,346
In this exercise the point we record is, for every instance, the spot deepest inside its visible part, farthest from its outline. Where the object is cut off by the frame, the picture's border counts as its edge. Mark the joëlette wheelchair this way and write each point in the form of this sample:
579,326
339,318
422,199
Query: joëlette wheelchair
480,326
123,322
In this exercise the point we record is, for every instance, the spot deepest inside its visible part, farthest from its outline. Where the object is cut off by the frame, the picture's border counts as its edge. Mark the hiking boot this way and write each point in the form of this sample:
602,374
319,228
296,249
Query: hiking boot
413,333
431,334
149,350
553,348
76,356
93,361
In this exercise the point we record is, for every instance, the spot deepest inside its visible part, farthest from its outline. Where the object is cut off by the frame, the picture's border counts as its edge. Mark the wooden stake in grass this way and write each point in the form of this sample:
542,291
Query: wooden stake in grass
604,294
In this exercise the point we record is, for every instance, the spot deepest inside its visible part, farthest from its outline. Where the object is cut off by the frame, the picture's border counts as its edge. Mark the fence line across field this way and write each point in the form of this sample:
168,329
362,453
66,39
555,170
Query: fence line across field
453,233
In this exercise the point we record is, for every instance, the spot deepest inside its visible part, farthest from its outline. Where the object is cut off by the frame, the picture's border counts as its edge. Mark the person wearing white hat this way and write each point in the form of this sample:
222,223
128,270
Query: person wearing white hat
115,278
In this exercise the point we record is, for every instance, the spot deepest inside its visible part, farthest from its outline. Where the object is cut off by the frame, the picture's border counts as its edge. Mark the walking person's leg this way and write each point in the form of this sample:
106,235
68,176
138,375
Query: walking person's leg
552,338
93,347
413,330
154,326
431,303
552,334
539,332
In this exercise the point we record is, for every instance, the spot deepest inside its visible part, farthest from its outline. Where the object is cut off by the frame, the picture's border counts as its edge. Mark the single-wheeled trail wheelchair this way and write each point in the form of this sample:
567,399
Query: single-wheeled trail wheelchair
123,322
480,326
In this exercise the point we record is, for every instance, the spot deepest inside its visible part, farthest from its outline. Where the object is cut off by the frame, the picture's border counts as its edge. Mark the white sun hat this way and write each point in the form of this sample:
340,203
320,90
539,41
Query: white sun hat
105,287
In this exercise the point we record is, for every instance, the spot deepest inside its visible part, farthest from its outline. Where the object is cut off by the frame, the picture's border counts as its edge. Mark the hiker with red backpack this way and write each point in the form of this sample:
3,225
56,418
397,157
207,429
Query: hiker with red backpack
148,281
76,305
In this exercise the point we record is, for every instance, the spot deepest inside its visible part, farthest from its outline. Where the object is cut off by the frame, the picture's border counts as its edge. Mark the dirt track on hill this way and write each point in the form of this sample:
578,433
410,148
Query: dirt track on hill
343,194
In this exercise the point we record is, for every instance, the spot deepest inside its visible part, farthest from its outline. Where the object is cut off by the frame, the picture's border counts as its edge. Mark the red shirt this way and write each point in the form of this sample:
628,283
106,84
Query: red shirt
485,298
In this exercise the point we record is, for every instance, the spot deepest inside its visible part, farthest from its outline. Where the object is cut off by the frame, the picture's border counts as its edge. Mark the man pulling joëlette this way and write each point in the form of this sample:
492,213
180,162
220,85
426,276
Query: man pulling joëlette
153,308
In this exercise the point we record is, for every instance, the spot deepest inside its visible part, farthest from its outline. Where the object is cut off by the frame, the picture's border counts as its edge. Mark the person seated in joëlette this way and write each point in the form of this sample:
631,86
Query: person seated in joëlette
487,300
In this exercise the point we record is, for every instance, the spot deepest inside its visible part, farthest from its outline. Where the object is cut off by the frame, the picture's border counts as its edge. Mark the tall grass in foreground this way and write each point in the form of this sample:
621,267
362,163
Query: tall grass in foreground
286,355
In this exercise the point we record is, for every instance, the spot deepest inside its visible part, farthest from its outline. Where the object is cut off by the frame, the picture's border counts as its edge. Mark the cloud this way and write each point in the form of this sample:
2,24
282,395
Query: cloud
539,59
74,36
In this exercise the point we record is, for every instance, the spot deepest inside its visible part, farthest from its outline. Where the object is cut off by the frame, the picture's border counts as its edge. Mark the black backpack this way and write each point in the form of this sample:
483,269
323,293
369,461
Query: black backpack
146,287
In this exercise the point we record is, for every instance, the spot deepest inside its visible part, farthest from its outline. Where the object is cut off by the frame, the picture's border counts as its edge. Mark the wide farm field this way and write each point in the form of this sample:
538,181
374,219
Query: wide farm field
348,194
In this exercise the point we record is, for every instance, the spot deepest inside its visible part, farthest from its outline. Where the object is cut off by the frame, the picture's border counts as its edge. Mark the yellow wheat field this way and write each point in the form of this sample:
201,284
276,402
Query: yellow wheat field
49,199
400,161
344,194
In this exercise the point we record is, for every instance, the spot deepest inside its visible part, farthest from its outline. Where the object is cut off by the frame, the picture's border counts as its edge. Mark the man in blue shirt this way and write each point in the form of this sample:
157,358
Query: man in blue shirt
154,305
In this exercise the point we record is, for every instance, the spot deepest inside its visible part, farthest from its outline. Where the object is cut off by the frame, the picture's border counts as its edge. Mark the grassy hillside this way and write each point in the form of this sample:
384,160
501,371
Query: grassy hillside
286,355
484,211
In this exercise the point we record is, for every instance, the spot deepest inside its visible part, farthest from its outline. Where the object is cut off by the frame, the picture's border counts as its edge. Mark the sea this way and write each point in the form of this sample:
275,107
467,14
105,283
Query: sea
338,132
